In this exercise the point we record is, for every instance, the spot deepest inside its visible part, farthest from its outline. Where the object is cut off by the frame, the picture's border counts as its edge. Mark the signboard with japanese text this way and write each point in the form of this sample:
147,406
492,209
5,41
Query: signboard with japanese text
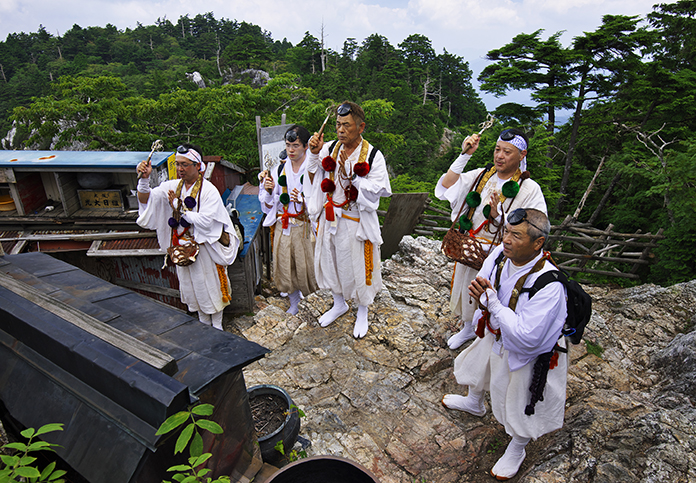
101,199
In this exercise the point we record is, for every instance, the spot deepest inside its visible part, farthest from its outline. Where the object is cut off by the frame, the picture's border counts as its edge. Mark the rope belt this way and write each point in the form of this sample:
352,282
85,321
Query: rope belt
349,217
286,215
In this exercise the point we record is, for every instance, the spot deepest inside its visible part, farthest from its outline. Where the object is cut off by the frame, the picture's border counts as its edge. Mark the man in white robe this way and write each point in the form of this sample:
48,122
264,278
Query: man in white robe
509,168
190,209
345,180
502,359
282,200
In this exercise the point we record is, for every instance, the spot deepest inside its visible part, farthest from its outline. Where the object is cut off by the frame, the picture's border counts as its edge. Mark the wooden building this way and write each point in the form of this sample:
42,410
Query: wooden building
80,206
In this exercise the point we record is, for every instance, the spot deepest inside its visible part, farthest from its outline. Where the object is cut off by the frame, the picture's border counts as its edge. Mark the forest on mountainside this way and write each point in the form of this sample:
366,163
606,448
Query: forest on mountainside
628,86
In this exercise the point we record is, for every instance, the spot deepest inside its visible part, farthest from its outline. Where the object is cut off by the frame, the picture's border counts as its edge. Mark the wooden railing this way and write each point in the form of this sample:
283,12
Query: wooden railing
576,247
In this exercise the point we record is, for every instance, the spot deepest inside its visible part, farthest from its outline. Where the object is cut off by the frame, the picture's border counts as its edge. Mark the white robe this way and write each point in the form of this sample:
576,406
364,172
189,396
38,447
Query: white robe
199,284
530,196
293,247
505,367
339,254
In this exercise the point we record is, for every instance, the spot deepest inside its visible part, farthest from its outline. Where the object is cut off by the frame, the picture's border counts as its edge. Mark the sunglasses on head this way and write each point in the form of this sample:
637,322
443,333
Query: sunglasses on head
507,135
343,109
291,136
520,215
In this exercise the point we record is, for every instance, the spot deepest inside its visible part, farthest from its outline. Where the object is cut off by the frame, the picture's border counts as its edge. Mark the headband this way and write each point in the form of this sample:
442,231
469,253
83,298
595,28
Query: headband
193,155
518,141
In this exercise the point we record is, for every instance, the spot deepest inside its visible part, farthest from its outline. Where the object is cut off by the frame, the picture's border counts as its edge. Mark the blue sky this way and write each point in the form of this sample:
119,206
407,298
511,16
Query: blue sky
468,28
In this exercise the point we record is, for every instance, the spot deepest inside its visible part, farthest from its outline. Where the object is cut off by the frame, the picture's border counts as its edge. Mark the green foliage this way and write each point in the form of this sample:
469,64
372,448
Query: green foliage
594,349
21,465
190,422
293,454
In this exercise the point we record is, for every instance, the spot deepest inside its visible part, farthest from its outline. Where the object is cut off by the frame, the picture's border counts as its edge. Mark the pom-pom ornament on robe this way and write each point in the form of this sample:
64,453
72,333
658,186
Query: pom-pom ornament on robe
361,169
510,189
473,199
284,198
173,222
328,186
352,193
487,211
184,223
190,202
328,163
283,180
465,224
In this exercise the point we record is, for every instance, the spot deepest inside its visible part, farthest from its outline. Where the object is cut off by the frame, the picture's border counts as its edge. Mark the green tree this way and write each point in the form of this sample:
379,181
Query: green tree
531,63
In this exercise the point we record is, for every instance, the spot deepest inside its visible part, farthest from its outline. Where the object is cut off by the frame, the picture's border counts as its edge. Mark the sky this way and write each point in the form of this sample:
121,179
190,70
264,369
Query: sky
468,28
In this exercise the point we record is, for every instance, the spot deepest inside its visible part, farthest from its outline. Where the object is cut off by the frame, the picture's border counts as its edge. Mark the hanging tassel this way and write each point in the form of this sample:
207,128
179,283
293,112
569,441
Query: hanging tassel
329,209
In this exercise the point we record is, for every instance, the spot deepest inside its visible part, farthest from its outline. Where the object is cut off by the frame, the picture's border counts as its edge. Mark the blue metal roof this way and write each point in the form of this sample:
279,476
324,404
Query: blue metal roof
79,159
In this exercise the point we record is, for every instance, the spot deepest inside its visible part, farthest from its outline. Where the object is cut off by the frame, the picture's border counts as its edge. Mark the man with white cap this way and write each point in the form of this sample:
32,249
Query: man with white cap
483,196
194,229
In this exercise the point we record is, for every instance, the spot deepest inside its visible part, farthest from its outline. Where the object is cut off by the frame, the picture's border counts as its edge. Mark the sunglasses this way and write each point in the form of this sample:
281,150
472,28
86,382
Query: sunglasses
343,109
507,135
291,136
520,215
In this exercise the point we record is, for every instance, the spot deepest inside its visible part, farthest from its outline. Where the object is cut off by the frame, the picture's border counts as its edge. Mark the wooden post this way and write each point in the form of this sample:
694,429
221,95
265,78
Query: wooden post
404,211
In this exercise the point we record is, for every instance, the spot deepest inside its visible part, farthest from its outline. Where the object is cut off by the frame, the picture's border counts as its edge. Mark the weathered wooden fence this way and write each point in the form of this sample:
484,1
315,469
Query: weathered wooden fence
576,247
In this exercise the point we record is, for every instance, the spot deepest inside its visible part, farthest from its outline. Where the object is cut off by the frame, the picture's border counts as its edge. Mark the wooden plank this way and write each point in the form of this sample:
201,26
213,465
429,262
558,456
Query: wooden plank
617,242
602,272
149,355
629,261
84,236
146,287
401,219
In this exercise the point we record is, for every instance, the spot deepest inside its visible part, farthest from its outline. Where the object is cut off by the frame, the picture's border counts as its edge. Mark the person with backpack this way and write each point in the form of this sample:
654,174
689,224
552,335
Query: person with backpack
519,354
282,200
480,199
346,180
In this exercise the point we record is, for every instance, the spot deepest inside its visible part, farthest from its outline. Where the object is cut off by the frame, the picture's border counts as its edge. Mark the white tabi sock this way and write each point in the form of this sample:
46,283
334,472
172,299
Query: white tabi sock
339,308
361,323
217,320
204,318
509,464
472,404
295,298
467,333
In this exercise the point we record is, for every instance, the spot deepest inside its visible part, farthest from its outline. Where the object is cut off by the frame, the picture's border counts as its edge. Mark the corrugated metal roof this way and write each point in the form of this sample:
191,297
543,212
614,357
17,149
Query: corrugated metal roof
79,159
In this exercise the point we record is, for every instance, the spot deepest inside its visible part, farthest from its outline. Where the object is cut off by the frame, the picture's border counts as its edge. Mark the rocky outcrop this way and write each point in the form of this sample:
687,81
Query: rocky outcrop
629,416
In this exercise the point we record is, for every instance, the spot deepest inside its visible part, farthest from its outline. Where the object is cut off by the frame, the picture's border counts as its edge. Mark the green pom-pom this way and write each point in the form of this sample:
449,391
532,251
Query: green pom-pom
302,179
284,198
465,223
487,211
510,189
283,180
473,199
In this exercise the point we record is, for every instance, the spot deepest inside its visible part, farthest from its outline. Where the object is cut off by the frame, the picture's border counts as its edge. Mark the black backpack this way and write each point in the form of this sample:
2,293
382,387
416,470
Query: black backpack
579,303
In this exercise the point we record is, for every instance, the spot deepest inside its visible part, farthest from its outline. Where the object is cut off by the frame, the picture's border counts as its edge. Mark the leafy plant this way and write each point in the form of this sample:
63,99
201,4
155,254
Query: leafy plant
20,466
293,455
191,434
595,349
495,445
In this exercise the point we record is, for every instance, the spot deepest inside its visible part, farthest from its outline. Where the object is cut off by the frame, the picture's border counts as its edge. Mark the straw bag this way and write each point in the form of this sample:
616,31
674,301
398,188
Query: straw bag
462,247
183,255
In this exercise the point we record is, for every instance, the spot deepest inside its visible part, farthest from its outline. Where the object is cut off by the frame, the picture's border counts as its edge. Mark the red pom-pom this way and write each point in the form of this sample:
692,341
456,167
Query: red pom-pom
328,186
361,169
352,193
328,163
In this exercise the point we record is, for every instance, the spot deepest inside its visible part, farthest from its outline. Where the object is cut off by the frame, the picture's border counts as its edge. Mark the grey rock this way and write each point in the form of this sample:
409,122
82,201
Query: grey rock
629,416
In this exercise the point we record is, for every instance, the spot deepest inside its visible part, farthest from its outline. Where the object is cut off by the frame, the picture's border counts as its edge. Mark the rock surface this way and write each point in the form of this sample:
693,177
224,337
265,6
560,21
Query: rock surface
629,416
